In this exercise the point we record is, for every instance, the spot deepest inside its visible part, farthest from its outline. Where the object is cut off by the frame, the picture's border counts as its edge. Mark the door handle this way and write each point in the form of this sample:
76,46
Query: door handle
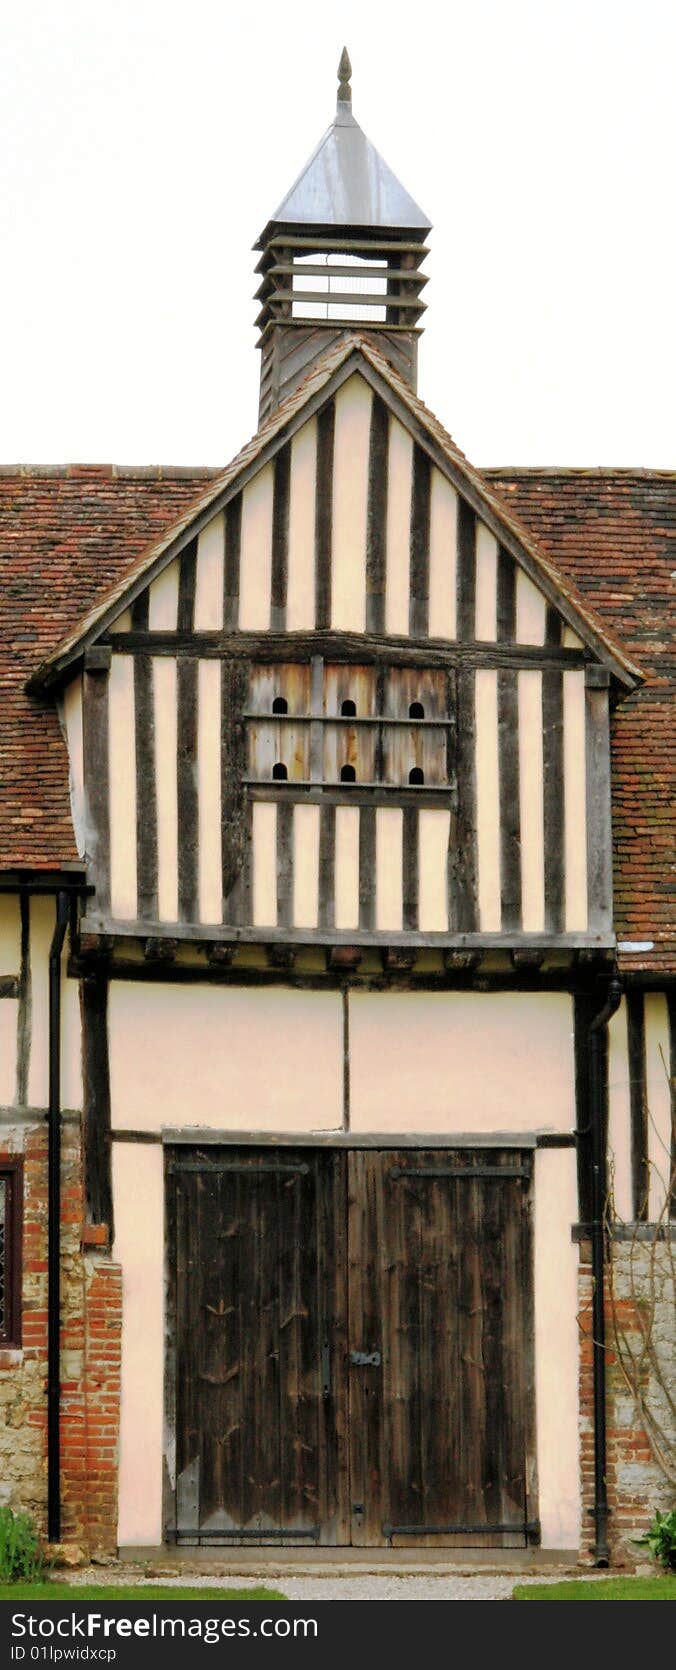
365,1359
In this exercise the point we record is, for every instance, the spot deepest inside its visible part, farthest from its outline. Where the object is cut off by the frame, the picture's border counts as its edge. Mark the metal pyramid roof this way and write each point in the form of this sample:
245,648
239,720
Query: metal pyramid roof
347,183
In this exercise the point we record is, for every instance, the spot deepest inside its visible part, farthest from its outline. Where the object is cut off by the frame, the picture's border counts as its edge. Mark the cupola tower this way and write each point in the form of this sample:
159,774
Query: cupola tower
342,252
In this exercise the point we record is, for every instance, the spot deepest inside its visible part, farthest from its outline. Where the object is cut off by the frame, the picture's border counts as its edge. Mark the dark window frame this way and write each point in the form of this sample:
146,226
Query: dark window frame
11,1171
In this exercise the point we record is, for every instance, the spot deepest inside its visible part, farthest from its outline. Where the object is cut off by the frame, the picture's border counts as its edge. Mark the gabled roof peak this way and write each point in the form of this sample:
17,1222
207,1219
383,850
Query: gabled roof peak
346,182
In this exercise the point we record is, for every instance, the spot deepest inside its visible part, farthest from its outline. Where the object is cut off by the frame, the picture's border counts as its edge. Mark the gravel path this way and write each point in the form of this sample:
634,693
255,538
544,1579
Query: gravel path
365,1586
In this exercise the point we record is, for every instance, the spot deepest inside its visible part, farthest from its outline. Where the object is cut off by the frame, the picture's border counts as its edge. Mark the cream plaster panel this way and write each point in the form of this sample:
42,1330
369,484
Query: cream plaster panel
300,595
488,801
557,1348
231,1058
486,627
461,1061
10,934
122,776
443,557
389,868
350,496
163,600
347,867
42,918
209,576
575,797
164,707
255,576
619,1114
264,844
531,610
305,866
9,1020
398,533
122,623
210,868
72,716
531,801
433,835
570,639
657,1055
138,1206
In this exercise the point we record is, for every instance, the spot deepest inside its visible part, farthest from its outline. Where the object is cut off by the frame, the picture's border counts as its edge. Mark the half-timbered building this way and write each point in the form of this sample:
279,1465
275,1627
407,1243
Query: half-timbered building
337,951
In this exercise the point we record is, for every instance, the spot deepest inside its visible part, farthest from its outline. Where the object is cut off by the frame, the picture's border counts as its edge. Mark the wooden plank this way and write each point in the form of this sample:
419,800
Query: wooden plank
187,1413
235,806
327,866
553,778
367,867
466,571
463,885
146,794
139,611
188,814
638,1102
187,574
599,834
410,861
369,648
326,419
96,1120
420,545
553,626
96,774
365,1232
280,538
506,596
285,864
376,516
510,827
233,538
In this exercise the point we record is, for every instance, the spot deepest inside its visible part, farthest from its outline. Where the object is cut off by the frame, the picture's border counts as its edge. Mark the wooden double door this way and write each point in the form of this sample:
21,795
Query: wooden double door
350,1347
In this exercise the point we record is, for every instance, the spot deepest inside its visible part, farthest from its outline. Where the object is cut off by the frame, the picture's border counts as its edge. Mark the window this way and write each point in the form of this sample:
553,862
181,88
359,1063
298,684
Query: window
279,772
10,1250
348,774
416,774
416,711
348,709
280,705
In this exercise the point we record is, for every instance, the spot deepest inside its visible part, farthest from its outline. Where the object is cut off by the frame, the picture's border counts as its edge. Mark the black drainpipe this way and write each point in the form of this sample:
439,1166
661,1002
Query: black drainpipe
54,1225
597,1134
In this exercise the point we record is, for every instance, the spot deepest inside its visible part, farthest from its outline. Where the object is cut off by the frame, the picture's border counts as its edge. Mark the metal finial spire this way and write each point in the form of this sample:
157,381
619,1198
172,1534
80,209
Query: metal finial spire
344,73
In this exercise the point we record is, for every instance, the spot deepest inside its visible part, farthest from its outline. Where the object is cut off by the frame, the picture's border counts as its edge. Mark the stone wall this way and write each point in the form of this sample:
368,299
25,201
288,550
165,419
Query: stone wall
642,1277
91,1312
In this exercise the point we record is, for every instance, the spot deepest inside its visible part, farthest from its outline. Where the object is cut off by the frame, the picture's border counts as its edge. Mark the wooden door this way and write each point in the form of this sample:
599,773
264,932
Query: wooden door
352,1351
440,1375
257,1267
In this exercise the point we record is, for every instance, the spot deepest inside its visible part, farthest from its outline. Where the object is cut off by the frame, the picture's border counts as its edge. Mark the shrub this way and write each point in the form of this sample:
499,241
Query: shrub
20,1553
660,1538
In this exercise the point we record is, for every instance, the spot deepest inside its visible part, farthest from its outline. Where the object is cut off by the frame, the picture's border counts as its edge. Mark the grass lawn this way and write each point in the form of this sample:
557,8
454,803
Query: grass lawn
141,1592
602,1588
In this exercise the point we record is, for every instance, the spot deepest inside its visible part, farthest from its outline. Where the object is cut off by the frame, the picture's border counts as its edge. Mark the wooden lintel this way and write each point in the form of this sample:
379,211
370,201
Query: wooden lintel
527,958
281,956
94,947
220,955
160,950
98,658
459,961
396,957
344,957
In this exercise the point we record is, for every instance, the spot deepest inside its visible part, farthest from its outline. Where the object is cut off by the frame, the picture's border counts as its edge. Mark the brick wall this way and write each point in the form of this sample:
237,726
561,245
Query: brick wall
636,1484
91,1311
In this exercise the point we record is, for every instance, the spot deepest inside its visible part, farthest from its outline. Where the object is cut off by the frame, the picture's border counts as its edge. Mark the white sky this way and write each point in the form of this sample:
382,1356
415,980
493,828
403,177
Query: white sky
144,144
